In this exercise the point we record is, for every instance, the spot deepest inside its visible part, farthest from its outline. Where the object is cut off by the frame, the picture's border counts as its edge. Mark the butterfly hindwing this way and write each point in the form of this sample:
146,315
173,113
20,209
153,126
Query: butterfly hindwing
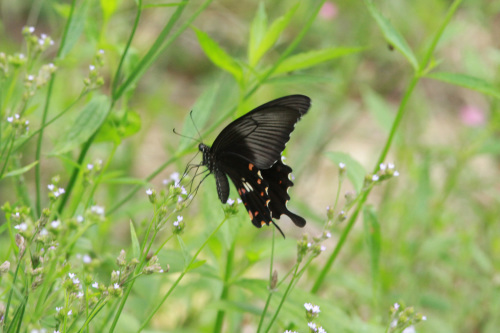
279,182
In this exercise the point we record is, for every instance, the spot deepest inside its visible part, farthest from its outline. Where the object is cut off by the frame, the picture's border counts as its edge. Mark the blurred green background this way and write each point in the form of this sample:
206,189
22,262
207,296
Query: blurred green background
439,220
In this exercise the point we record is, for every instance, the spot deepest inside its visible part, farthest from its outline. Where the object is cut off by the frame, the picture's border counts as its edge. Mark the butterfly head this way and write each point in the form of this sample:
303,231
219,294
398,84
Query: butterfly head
206,154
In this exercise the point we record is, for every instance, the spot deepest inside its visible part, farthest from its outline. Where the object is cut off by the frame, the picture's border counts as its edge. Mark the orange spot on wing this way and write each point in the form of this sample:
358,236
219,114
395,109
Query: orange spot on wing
280,182
250,166
261,194
243,190
262,223
239,192
251,216
256,213
259,181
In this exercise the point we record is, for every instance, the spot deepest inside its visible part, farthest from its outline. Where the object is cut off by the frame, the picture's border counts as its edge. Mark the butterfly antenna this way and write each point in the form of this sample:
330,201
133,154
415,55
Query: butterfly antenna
196,190
185,136
281,232
194,124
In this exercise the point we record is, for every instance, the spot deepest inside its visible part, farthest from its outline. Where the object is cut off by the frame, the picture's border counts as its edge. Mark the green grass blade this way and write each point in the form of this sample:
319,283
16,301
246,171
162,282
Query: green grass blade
392,35
467,81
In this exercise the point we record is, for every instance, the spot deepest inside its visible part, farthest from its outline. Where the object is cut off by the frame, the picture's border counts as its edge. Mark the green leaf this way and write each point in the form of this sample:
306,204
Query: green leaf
185,252
382,111
467,81
218,56
201,114
272,35
86,124
392,36
355,171
313,58
196,264
75,28
257,32
136,249
20,171
108,8
119,125
304,79
373,239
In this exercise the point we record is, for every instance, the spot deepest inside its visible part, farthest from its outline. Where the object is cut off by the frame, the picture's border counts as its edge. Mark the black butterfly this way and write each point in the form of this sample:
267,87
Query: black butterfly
249,151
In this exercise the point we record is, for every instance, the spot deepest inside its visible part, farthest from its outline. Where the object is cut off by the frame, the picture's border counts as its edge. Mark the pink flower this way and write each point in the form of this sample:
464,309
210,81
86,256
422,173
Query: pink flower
472,116
328,11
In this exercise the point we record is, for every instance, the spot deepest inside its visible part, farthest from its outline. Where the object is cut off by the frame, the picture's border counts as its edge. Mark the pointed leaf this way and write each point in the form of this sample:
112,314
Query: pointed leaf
86,124
467,81
20,171
196,264
218,56
355,171
75,28
383,113
257,32
136,249
313,58
392,36
272,34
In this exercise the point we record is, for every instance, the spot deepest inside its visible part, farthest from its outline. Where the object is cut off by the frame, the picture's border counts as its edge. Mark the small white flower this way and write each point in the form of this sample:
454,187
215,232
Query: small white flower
315,308
31,29
55,224
396,306
175,177
283,158
70,312
328,234
230,201
180,218
79,219
21,56
409,329
116,286
390,166
165,181
27,122
31,77
90,166
97,210
21,227
323,248
396,173
375,178
57,332
44,232
342,165
117,272
101,51
61,190
71,275
179,198
312,326
58,308
10,119
309,244
76,281
239,200
43,36
382,166
51,42
86,259
17,214
91,67
424,318
95,285
17,116
149,191
176,223
51,187
79,295
160,271
308,306
51,66
321,330
183,190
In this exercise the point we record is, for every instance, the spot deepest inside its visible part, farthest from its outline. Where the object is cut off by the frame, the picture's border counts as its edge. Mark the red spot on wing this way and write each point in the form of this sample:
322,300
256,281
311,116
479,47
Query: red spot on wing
256,213
261,194
250,166
259,181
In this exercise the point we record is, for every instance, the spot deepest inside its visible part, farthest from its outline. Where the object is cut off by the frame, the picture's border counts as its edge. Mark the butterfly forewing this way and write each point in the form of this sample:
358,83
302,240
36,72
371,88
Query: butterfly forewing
260,135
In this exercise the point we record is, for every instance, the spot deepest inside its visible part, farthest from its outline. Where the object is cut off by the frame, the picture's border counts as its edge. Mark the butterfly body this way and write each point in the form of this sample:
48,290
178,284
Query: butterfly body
248,151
